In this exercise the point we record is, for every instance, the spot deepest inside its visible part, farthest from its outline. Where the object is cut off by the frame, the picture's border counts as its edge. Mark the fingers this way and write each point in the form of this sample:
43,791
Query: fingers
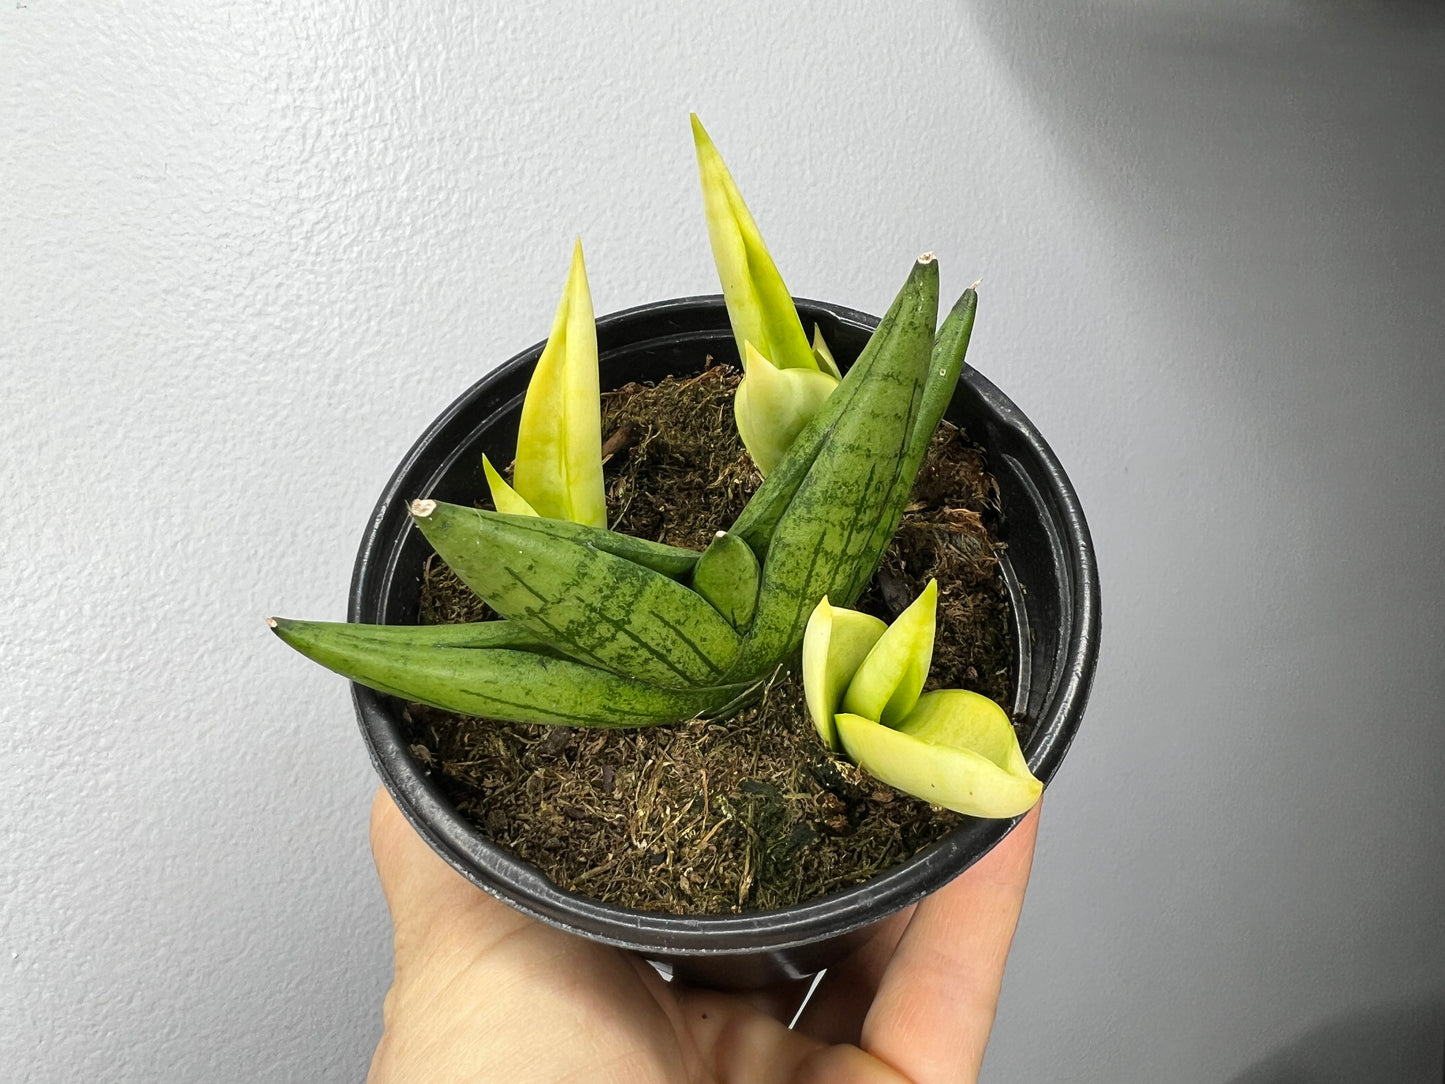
935,1004
742,1046
836,1011
929,1021
781,1001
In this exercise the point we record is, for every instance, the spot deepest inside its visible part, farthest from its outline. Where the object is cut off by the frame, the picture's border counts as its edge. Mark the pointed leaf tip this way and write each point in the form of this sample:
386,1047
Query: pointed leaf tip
760,307
960,779
558,468
727,576
889,681
504,497
962,719
835,642
823,356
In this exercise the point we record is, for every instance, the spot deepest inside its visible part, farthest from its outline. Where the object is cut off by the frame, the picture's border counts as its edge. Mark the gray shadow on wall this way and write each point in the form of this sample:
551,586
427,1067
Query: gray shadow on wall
1276,163
1400,1042
1257,132
1279,165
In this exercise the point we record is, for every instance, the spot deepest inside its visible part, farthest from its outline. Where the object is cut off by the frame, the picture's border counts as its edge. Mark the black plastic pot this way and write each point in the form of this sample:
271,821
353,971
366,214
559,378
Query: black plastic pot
1049,565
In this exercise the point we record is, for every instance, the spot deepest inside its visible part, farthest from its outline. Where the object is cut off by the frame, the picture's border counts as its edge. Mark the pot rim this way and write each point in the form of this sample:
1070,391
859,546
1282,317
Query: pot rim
842,911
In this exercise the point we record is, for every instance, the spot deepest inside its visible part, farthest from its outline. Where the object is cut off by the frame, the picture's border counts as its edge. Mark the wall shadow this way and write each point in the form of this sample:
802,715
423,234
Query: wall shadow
1275,165
1293,116
1402,1042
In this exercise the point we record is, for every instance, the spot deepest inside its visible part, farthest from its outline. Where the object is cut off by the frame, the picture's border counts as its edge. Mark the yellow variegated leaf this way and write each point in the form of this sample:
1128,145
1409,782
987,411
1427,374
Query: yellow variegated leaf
759,305
834,643
888,682
504,497
964,780
772,405
559,441
966,720
823,356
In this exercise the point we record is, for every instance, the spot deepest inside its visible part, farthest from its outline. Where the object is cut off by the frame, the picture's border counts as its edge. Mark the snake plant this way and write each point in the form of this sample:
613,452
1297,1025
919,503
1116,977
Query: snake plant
598,628
864,685
785,381
558,470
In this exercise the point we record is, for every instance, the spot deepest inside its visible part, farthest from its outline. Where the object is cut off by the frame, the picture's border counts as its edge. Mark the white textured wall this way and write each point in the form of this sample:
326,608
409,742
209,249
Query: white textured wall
248,250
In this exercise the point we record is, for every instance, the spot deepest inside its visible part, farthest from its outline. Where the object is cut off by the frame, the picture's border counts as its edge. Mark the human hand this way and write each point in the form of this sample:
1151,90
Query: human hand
483,993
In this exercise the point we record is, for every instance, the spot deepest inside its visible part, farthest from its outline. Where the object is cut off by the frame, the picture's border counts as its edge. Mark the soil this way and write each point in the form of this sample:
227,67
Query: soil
750,812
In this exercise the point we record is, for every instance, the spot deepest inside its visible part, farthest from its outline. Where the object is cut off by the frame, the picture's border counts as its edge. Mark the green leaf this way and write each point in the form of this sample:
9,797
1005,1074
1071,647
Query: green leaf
945,365
949,349
471,635
828,539
759,306
888,682
491,669
674,562
559,440
726,575
967,780
759,518
597,607
772,406
835,643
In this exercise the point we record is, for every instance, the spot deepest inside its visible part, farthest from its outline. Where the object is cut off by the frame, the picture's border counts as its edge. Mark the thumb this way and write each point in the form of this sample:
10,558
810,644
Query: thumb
429,900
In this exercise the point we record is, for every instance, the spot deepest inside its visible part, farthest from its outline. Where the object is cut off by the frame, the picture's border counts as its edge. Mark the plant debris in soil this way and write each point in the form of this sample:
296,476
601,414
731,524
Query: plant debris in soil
749,812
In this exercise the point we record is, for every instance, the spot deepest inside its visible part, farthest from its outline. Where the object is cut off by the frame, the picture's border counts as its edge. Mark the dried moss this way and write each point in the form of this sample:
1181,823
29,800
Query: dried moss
749,812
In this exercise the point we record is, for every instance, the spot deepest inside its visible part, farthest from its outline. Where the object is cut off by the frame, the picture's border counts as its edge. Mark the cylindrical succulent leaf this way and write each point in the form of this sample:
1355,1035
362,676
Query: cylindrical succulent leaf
760,517
489,669
597,607
828,533
945,364
674,562
727,576
949,349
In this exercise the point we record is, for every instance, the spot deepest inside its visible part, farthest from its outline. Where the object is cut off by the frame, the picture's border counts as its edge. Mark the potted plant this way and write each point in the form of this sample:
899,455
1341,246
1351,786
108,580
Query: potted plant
602,629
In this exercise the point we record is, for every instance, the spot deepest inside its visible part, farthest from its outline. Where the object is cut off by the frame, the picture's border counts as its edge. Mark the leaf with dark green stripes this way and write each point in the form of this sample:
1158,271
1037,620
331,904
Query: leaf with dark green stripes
464,668
830,530
595,606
